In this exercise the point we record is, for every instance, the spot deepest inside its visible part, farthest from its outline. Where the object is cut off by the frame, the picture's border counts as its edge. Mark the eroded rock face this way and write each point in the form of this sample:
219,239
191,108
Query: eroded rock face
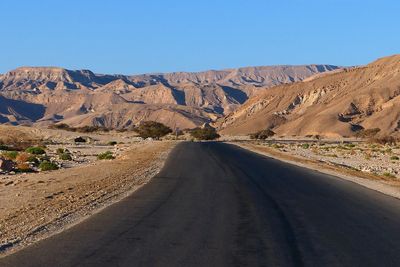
336,104
183,100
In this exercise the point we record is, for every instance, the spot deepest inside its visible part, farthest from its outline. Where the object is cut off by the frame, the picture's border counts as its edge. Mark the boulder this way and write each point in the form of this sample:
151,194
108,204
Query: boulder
6,165
84,139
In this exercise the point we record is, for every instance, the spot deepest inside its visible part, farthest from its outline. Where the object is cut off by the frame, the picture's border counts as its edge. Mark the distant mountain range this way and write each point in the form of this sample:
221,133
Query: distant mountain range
47,95
339,103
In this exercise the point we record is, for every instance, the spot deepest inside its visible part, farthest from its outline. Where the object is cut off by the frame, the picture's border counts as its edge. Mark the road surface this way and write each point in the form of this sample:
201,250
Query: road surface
215,204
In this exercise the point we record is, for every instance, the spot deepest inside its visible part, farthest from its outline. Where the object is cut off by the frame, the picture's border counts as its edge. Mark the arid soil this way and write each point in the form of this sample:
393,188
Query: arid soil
37,205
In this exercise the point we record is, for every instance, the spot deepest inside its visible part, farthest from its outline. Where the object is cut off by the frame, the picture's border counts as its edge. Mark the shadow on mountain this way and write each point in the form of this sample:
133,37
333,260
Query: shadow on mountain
236,94
179,97
23,109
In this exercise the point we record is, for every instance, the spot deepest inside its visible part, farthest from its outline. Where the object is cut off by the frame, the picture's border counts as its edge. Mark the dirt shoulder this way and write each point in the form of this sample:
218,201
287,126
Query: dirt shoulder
37,205
386,185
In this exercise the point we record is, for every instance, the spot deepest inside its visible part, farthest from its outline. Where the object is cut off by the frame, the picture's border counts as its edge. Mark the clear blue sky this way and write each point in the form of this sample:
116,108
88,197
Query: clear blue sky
129,37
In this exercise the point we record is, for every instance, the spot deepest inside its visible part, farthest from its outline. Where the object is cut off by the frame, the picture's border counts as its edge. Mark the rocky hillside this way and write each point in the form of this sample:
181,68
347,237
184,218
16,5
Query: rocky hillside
45,95
336,104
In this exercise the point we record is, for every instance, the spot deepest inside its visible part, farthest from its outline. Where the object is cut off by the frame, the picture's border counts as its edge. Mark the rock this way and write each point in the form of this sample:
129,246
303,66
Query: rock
80,139
6,165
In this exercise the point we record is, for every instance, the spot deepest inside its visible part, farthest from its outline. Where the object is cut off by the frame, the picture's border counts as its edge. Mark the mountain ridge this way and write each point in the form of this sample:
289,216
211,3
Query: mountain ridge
338,104
82,97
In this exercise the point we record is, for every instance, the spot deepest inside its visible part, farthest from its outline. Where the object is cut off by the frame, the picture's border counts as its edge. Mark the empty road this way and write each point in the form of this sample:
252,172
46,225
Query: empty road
215,204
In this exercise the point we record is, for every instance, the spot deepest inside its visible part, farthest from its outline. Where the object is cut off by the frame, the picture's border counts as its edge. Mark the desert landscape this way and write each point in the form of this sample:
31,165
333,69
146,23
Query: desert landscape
37,204
61,164
199,133
47,95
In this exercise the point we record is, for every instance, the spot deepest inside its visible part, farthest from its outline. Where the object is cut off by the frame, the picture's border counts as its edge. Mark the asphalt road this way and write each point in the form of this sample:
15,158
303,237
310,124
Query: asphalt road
215,204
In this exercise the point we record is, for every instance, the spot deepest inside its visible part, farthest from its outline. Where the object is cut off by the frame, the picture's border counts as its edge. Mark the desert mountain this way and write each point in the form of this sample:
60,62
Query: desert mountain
182,99
337,104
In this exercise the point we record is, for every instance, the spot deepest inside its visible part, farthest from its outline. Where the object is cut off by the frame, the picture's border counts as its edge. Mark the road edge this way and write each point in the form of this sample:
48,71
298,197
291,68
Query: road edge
59,226
374,185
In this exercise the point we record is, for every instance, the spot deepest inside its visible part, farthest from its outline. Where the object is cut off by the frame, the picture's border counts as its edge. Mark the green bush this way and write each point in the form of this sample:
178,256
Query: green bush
47,166
277,146
394,158
35,150
389,175
105,156
305,146
65,156
206,133
351,145
10,155
152,129
60,151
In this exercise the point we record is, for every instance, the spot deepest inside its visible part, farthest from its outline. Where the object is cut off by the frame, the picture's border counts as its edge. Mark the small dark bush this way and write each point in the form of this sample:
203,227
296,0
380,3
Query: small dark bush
4,147
91,129
112,143
394,158
35,150
206,133
60,151
262,135
84,129
47,166
152,129
80,140
34,160
65,156
305,146
60,126
106,155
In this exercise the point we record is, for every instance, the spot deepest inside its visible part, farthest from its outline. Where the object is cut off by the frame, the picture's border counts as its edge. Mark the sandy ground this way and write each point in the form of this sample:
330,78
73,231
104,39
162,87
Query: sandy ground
388,185
34,206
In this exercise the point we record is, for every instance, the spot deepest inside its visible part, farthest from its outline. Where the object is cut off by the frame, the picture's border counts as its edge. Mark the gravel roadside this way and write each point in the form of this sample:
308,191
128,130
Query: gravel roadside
39,205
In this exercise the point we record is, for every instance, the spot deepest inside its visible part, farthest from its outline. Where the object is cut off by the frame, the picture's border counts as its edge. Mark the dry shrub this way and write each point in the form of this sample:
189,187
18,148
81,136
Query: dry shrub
367,133
262,135
23,167
23,157
84,129
384,140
